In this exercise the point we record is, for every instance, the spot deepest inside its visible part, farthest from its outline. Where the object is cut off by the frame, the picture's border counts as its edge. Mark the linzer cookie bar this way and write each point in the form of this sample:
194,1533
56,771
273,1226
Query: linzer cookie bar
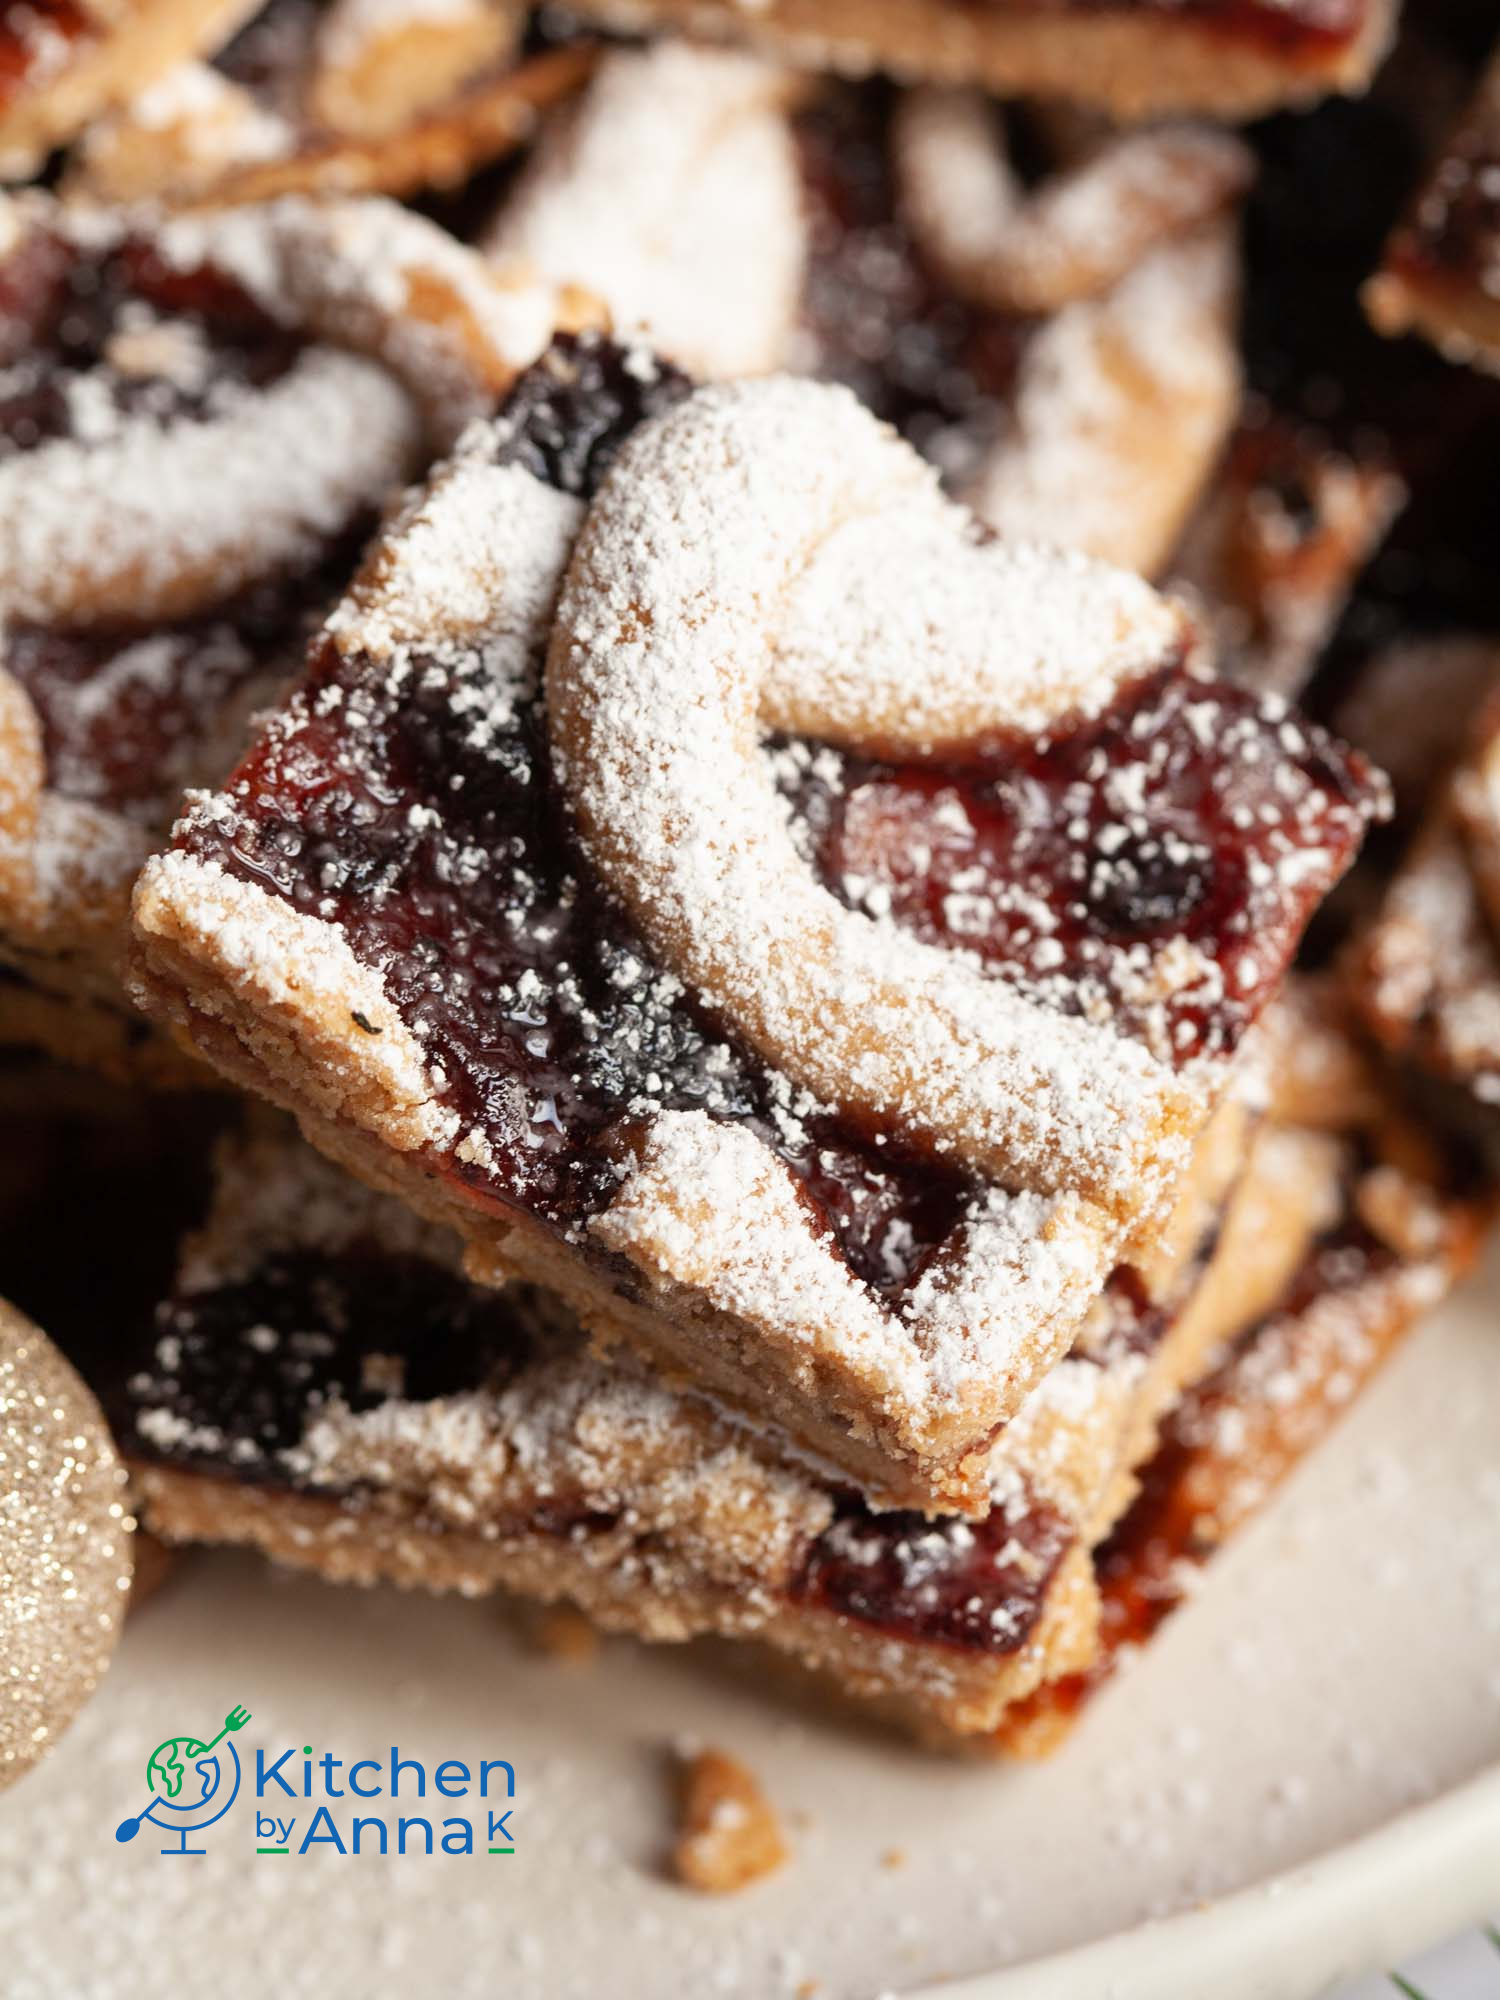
198,425
322,1384
1132,58
1441,269
355,97
826,1001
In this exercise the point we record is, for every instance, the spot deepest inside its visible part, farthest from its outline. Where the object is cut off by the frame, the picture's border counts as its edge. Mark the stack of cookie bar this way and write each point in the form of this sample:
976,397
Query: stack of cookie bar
646,733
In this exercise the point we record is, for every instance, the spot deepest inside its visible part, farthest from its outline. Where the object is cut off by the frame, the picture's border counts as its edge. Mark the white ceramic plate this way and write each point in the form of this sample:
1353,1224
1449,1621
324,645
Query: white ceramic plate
1340,1668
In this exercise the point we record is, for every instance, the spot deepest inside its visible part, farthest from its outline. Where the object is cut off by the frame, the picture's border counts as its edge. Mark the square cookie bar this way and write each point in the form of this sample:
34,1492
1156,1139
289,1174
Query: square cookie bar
810,935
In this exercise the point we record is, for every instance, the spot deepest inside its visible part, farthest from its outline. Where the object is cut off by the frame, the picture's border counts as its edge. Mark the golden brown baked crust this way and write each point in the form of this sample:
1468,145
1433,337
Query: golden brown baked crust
100,54
1133,62
700,1526
207,144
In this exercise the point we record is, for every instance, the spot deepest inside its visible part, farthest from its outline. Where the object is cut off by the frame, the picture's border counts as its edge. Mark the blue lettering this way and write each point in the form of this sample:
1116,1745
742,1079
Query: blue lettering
463,1833
403,1824
364,1764
332,1838
400,1764
379,1826
496,1764
451,1787
264,1772
500,1826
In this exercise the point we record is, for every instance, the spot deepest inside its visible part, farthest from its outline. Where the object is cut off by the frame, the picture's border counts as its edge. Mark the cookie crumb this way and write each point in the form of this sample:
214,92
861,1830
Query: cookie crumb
730,1833
893,1857
567,1635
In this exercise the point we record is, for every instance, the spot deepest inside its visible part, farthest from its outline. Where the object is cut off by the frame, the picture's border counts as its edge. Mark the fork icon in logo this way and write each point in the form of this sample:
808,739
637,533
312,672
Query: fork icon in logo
192,1783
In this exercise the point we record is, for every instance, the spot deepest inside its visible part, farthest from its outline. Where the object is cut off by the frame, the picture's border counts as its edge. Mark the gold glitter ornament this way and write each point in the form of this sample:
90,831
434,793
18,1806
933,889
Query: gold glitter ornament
65,1555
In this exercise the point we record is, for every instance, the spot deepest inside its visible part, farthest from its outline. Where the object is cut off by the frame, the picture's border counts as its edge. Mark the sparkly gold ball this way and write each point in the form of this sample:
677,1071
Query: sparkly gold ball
64,1545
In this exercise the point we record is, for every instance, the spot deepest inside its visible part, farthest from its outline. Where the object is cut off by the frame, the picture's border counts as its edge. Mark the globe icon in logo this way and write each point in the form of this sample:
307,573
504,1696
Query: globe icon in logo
181,1776
192,1784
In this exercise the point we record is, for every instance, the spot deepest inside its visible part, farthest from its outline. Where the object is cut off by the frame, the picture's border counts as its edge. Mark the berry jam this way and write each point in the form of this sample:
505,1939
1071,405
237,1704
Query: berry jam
239,1371
87,341
429,831
973,1585
1190,812
249,1365
130,717
873,319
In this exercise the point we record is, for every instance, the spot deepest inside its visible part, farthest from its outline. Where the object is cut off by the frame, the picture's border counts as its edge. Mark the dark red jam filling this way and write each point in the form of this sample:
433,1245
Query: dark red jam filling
1190,811
35,36
1454,230
1284,28
238,1373
443,854
89,340
246,1367
873,318
131,716
977,1586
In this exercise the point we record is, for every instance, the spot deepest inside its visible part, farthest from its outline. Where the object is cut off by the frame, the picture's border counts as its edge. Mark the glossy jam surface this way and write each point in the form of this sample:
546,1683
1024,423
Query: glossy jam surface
1189,812
974,1585
88,341
442,852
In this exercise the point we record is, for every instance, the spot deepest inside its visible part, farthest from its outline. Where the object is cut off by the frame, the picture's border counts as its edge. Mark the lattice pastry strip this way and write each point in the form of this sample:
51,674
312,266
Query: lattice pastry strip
674,185
559,1092
1081,231
680,187
1121,410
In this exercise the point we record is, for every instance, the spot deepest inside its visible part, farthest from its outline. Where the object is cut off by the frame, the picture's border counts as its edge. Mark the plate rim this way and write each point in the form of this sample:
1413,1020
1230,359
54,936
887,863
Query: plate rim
1359,1907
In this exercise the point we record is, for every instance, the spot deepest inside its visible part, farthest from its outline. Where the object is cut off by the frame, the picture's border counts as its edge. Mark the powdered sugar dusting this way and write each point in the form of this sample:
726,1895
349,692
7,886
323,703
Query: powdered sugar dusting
1121,409
1082,230
266,483
666,615
672,192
